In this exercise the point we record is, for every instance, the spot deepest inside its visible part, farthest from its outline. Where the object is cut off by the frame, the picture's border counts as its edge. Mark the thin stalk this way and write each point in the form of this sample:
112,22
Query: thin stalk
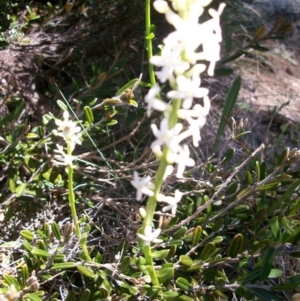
71,194
149,41
150,209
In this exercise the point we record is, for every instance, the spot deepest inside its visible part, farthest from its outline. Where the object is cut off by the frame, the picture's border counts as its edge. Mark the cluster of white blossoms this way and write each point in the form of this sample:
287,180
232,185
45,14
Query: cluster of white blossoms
69,130
179,64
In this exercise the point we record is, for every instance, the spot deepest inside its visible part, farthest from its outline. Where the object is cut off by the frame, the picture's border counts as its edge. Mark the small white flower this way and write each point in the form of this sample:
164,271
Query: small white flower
211,46
154,102
183,159
171,201
194,128
166,136
170,61
150,236
68,129
196,124
142,186
188,32
188,89
62,157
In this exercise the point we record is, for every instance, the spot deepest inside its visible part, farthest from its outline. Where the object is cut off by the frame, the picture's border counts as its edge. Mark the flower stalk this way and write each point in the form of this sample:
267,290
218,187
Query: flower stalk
71,134
149,40
179,66
71,194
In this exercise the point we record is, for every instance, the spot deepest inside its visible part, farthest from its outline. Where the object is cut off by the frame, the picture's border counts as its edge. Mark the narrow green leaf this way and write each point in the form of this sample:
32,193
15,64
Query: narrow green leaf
243,193
161,254
180,233
228,156
62,105
223,71
41,245
259,48
196,235
10,280
275,229
264,295
85,295
251,276
240,208
127,86
85,271
27,246
207,251
232,187
170,295
175,242
235,245
288,284
267,264
249,178
24,274
59,258
71,296
112,122
233,57
88,113
32,136
18,109
227,110
40,252
124,263
206,200
32,297
12,184
56,230
219,223
165,274
269,187
186,260
282,157
28,235
275,273
217,240
183,284
211,274
46,119
20,189
63,266
257,166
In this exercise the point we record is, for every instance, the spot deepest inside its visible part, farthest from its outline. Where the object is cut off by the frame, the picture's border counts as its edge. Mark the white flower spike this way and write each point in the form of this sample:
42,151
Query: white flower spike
68,129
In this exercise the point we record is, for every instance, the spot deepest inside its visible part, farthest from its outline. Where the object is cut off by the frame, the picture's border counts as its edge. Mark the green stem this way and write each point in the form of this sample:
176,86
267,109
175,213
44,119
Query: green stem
71,194
158,181
152,201
150,209
149,41
82,243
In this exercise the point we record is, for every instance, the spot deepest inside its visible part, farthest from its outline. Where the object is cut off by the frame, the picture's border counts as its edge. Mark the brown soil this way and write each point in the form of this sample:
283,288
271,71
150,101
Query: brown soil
277,83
